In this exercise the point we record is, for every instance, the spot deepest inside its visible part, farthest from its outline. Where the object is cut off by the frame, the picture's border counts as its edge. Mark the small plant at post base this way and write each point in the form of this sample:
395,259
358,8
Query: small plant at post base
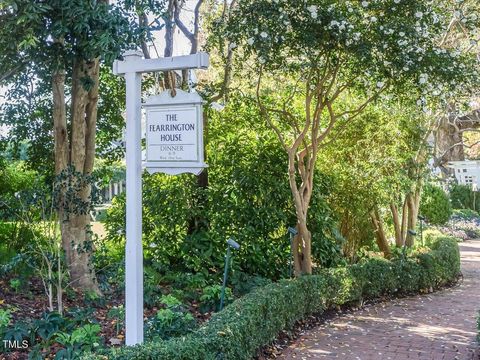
211,296
82,339
15,284
117,314
5,318
171,321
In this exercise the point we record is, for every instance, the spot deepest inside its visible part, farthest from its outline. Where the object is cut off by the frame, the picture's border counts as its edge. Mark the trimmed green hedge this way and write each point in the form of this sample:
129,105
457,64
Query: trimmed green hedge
256,319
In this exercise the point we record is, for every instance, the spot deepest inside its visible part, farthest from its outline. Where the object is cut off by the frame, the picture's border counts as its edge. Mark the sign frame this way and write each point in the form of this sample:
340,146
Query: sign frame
181,101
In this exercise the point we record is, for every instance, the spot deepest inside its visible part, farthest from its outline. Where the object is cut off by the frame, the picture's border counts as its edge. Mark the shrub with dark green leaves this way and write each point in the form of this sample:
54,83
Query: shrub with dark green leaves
248,197
462,197
170,321
256,319
211,296
435,205
465,214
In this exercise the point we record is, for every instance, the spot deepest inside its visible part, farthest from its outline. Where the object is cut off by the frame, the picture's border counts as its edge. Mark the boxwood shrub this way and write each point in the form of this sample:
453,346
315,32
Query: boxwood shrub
256,319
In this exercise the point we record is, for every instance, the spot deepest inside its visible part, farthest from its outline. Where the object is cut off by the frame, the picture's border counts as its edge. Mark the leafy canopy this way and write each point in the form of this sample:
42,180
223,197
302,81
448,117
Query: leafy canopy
50,34
373,43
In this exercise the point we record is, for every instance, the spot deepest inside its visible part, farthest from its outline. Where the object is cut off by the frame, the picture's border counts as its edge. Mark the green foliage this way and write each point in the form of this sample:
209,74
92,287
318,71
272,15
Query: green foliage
117,314
80,315
430,235
171,321
466,214
370,164
108,259
15,284
211,295
372,43
248,196
257,318
435,205
92,298
74,332
15,238
244,283
20,330
49,325
15,178
462,197
82,339
5,318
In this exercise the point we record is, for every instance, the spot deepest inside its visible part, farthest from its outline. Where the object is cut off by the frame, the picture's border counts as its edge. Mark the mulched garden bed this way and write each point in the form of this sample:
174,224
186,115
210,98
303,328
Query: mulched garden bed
30,302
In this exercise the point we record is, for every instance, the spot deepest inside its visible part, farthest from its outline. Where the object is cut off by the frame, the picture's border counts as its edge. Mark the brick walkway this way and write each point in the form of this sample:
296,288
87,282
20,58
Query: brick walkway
436,326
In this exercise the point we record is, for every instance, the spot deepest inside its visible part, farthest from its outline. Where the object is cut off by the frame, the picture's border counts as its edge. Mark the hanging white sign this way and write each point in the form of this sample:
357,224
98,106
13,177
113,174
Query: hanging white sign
174,133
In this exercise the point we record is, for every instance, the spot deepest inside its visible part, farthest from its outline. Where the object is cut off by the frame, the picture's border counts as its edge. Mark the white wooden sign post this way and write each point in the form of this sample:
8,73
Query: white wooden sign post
174,146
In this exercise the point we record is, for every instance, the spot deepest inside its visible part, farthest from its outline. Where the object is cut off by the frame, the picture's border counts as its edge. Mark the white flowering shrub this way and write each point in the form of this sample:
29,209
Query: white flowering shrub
377,42
318,64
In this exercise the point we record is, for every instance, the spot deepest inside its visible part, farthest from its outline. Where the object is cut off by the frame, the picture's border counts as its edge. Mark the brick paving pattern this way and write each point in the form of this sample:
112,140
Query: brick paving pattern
437,326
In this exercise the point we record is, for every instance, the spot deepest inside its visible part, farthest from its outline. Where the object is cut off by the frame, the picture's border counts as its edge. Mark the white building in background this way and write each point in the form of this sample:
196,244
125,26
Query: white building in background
466,172
113,188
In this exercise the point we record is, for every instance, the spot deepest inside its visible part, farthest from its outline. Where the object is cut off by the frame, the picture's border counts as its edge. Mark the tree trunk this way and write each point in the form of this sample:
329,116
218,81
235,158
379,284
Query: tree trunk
302,250
404,220
60,121
306,251
449,145
396,225
302,242
412,219
198,223
75,224
169,76
380,234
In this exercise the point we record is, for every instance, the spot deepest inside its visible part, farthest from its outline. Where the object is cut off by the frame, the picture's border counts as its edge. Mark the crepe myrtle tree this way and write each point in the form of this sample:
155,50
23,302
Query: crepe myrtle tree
311,55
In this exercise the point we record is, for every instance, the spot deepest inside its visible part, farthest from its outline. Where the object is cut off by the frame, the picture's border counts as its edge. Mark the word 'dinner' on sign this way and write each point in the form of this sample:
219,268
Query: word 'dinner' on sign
172,134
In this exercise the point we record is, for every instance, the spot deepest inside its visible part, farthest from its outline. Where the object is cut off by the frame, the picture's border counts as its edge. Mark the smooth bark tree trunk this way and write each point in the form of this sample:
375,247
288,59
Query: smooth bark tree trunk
404,220
397,227
302,242
302,251
400,222
380,233
413,202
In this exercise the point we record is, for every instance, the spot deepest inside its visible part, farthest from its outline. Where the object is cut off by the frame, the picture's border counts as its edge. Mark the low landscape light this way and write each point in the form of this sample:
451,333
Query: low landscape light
231,244
422,219
292,232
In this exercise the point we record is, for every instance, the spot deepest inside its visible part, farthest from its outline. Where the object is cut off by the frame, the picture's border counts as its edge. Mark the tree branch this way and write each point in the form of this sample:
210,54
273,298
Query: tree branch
267,116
